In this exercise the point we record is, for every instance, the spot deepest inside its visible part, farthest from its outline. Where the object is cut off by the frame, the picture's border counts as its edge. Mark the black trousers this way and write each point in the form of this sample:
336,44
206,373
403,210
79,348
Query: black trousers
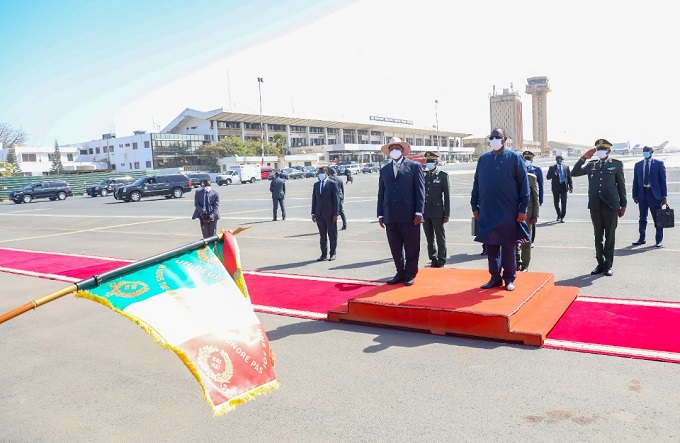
328,232
277,202
208,229
560,200
434,229
605,220
404,241
342,215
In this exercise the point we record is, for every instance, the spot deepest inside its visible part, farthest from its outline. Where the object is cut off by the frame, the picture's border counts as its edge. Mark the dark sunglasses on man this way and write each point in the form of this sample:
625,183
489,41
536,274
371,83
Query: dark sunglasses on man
495,137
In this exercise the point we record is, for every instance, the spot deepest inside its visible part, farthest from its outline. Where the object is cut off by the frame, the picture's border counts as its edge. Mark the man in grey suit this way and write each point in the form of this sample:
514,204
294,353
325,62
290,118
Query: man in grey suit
341,194
325,207
207,209
278,189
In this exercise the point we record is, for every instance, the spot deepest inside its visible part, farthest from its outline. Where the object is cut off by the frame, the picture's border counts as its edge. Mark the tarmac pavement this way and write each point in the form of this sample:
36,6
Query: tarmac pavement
74,371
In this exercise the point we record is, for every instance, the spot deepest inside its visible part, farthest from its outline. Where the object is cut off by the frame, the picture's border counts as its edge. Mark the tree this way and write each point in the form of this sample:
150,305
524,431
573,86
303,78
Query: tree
12,160
6,168
280,144
10,137
57,167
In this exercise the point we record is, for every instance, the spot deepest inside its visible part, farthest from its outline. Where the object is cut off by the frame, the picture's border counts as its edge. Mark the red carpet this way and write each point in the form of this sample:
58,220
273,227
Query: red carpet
631,328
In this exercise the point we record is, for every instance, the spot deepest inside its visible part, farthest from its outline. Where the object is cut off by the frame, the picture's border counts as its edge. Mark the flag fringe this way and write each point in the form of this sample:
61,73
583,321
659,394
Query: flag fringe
217,410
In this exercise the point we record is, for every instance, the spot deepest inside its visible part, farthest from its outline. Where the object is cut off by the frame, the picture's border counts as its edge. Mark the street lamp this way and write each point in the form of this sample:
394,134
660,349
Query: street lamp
260,80
436,117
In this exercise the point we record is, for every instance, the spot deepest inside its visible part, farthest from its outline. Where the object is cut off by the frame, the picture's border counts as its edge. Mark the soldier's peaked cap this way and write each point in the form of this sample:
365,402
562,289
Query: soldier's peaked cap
602,143
429,155
529,154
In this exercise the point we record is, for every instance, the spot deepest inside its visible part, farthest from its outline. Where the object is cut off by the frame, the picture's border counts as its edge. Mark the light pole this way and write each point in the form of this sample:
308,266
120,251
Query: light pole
260,80
436,118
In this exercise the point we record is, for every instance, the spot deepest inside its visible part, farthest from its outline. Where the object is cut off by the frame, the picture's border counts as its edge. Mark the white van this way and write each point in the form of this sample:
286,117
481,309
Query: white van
239,174
230,177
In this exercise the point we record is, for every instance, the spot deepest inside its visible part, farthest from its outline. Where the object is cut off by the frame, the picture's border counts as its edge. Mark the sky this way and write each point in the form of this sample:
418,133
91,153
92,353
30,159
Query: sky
74,70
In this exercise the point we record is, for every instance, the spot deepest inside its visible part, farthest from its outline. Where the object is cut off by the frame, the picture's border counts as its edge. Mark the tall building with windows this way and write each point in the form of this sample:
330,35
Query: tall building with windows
506,113
538,88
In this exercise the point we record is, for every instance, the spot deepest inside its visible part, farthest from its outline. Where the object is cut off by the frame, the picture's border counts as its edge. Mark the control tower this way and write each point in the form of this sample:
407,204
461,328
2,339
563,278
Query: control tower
538,88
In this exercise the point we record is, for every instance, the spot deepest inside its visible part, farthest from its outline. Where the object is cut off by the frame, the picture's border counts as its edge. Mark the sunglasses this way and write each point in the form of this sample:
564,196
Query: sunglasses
495,137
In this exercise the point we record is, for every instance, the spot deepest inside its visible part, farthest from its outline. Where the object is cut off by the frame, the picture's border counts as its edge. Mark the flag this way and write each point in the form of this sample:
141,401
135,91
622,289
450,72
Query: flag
190,303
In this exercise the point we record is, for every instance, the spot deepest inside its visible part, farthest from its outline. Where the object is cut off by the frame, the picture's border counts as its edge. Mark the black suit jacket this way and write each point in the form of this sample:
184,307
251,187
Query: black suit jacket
325,204
213,204
400,197
554,175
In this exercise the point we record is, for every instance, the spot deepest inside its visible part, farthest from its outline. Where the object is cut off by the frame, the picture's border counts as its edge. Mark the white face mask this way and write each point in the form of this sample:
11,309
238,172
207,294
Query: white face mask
207,188
429,166
527,163
602,154
496,143
395,154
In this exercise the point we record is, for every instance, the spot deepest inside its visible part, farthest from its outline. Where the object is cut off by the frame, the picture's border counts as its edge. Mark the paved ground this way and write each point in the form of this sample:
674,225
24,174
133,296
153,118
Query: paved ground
74,371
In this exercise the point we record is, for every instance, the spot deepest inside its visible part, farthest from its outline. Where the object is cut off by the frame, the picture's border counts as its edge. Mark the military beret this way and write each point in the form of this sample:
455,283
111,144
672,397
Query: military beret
526,154
429,155
602,143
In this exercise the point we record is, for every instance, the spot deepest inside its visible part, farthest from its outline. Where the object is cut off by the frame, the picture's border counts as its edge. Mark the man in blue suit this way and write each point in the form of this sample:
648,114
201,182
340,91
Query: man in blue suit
401,202
325,208
649,192
207,209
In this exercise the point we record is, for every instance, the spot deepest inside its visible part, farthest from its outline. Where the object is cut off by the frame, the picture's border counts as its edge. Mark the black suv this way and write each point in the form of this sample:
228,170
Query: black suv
196,178
54,190
107,186
169,186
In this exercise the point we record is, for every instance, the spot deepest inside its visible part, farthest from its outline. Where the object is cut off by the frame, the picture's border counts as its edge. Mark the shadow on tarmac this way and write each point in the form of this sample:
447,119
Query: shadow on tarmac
363,264
462,258
581,281
286,266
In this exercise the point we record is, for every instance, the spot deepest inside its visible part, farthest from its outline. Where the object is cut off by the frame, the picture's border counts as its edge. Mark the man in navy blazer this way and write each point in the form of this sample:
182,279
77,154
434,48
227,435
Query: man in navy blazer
325,208
401,202
207,209
649,192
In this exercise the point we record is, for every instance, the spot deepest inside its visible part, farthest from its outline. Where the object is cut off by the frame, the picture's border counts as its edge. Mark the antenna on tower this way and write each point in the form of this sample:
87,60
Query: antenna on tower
494,89
512,88
229,90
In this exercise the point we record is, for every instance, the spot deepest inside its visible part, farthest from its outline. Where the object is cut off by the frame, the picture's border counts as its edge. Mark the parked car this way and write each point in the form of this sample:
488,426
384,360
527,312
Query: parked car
196,178
53,189
271,174
169,186
370,168
310,171
266,172
353,168
107,186
230,177
291,174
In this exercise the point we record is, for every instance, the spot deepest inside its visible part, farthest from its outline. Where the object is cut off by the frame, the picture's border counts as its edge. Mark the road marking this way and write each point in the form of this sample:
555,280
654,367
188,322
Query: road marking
630,302
608,349
40,275
96,257
290,312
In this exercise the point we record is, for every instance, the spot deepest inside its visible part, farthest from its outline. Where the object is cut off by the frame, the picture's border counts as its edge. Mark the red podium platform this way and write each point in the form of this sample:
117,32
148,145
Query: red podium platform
449,301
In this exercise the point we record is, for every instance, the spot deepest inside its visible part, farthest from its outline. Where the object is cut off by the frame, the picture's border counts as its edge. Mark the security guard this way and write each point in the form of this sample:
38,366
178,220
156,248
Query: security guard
606,200
437,210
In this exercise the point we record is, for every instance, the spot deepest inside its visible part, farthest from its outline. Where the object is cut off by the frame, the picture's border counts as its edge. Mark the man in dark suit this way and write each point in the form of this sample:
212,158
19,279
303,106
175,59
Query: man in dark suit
341,194
278,189
207,209
649,192
325,207
561,183
606,200
401,202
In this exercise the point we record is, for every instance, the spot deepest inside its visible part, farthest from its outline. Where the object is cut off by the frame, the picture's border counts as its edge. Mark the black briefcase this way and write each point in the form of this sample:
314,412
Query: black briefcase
665,218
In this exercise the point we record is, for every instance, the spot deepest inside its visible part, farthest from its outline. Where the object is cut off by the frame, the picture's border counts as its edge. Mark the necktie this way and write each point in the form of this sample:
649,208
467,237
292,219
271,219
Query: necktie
561,174
396,169
321,189
646,182
205,200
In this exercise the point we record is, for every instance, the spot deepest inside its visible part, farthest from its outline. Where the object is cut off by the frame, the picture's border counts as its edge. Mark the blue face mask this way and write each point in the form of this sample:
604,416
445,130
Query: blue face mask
322,176
646,154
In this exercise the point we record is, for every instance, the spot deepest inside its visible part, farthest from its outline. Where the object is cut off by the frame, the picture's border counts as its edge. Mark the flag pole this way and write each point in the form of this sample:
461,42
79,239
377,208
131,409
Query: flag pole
33,304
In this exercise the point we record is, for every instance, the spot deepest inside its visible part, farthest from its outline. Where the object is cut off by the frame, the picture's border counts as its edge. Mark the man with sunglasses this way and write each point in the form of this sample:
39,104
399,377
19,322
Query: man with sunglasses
500,196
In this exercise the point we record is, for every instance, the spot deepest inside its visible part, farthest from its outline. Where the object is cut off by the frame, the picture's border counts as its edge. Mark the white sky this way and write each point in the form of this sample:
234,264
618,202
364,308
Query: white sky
612,68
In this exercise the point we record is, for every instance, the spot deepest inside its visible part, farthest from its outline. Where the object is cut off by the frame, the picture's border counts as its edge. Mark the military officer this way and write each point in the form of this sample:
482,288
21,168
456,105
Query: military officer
437,210
606,200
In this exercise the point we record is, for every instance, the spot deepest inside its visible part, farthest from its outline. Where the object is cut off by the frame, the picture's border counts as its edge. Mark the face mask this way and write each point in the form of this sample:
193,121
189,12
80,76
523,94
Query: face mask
602,154
207,188
429,166
395,154
322,176
528,163
496,144
646,154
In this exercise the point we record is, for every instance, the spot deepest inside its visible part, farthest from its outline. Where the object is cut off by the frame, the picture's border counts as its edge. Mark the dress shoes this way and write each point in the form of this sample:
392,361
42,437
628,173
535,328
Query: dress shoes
491,284
639,242
273,219
409,282
394,280
283,218
561,220
609,272
344,228
510,286
658,245
558,218
332,257
598,270
322,258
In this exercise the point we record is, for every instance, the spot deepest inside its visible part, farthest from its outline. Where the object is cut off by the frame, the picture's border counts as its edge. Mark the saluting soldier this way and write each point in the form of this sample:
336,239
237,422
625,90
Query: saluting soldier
437,210
606,200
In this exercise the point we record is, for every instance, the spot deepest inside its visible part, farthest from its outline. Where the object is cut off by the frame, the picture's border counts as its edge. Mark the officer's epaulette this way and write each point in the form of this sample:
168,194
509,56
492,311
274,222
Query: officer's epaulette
612,159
